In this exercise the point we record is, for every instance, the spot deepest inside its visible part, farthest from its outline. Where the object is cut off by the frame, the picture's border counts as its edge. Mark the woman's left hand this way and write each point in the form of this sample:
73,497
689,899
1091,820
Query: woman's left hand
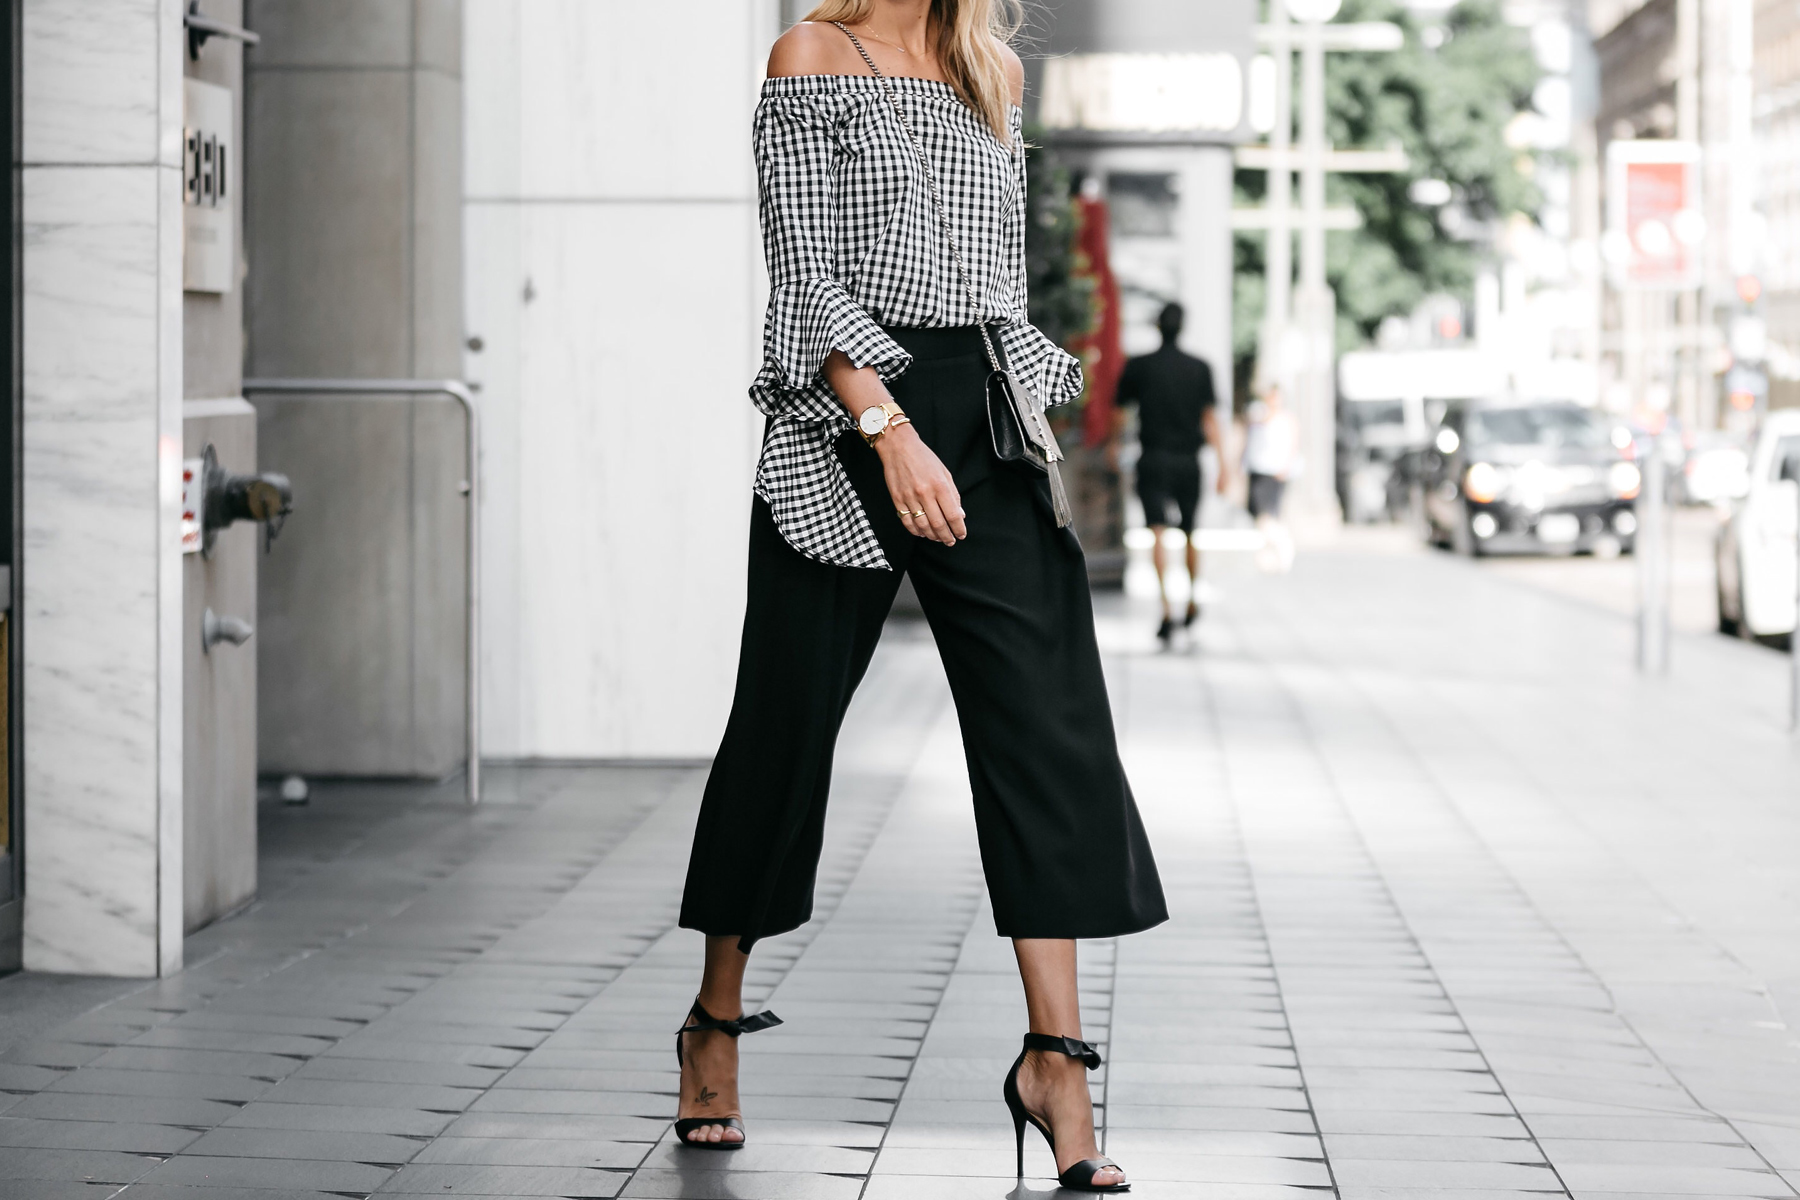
923,492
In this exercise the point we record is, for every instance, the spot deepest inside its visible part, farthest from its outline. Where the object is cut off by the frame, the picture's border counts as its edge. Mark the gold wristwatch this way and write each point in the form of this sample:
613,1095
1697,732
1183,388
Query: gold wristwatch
877,419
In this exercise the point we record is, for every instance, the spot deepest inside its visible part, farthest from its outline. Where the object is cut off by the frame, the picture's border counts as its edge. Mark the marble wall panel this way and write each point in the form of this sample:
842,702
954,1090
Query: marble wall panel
613,279
91,81
167,441
491,104
96,335
493,314
633,474
603,116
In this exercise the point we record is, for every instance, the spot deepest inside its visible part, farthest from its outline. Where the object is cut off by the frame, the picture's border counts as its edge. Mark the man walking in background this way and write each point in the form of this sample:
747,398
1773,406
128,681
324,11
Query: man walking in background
1177,415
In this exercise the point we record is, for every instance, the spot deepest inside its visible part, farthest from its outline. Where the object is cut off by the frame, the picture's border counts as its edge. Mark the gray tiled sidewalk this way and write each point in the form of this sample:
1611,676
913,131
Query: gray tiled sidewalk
1463,910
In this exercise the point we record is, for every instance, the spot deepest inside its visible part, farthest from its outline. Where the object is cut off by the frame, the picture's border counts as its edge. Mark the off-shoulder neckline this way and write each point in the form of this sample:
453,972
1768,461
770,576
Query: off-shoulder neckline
809,84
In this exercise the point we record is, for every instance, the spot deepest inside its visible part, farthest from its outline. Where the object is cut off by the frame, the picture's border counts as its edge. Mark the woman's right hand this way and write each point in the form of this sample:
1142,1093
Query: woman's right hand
919,482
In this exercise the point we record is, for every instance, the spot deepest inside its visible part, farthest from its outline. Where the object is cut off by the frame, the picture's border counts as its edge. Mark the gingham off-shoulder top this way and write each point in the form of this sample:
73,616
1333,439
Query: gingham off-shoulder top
853,243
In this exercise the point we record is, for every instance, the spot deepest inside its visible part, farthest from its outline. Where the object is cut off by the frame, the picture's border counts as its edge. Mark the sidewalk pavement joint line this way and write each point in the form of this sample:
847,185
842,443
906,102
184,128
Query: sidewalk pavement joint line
822,914
1209,705
1104,1125
1300,716
1450,805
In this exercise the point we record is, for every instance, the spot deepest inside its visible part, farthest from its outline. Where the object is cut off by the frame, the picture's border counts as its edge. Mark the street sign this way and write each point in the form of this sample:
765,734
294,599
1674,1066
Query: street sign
1655,227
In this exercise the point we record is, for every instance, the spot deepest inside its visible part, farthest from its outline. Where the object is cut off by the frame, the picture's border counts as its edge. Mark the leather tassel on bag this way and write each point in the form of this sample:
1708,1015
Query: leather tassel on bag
1059,498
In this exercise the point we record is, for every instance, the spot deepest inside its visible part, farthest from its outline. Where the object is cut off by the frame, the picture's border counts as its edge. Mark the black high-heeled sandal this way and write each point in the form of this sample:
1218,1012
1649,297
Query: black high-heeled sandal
698,1020
1080,1176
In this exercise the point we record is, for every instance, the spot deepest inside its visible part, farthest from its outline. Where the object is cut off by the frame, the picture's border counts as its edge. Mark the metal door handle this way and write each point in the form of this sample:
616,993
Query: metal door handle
215,629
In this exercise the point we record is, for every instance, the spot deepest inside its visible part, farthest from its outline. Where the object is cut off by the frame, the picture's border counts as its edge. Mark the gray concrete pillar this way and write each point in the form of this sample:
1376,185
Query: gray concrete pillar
354,132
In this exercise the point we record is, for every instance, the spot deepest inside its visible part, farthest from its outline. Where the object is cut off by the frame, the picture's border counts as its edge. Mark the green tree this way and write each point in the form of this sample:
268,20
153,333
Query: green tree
1448,107
1060,303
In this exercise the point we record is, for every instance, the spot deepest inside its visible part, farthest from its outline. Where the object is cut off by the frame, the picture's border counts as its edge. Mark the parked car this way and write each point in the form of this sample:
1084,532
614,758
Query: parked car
1389,402
1531,476
1716,470
1754,554
1378,441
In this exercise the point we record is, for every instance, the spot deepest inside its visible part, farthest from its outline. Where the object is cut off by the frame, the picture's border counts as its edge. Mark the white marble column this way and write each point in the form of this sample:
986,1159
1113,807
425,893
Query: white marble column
615,286
102,457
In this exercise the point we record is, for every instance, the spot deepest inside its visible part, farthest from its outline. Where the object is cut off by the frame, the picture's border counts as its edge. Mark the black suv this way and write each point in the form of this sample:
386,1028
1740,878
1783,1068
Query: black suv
1529,475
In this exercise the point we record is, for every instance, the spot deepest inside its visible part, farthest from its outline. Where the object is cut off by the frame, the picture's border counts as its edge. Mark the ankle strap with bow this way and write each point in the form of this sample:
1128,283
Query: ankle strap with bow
699,1020
1072,1047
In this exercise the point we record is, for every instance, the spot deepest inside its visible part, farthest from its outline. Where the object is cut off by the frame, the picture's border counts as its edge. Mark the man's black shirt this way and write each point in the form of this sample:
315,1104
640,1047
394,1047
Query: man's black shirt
1171,389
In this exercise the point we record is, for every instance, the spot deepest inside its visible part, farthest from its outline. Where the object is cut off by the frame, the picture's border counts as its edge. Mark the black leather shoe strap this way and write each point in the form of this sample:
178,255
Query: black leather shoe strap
1085,1051
699,1019
1080,1176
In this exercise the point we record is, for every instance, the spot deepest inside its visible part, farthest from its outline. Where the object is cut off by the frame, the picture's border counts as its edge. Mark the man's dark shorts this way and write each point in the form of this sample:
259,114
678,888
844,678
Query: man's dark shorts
1168,483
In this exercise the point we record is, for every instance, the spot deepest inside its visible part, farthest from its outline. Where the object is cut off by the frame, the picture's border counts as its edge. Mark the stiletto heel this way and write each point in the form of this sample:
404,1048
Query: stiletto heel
698,1020
1080,1176
1018,1116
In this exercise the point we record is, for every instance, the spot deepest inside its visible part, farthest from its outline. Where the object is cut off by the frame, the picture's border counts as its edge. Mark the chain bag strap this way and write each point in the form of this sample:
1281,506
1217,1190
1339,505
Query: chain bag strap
1016,419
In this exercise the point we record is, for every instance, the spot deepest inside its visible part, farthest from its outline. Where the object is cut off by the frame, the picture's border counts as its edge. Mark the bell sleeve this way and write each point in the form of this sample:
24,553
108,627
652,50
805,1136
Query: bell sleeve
1050,371
809,314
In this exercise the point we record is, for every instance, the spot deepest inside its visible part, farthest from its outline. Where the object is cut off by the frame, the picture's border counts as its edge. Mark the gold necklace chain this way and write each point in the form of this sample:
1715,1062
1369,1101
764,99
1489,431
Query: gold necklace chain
884,41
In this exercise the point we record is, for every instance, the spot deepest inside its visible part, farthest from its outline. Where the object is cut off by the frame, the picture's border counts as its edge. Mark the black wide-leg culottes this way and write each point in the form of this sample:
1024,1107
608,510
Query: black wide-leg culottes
1062,844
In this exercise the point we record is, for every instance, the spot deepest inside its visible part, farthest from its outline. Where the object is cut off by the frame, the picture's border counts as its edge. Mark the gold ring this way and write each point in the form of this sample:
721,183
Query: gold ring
903,512
919,513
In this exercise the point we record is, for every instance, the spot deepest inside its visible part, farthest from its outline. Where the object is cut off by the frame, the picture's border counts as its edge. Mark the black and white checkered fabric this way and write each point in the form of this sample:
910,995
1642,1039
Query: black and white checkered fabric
853,244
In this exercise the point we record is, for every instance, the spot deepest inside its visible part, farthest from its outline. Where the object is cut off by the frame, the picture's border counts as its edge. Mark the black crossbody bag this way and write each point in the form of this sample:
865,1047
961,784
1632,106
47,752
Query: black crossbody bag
1016,420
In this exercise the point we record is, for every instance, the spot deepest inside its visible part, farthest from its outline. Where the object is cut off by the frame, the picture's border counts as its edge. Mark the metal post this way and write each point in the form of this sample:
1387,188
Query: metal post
1653,568
1314,305
408,389
1312,155
1280,245
1687,376
1793,472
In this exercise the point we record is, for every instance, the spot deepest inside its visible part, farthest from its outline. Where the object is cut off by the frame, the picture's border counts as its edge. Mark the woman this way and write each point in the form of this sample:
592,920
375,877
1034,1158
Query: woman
877,460
1271,448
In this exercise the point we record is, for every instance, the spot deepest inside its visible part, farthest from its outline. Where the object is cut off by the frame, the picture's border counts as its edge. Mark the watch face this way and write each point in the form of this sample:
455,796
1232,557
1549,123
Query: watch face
873,421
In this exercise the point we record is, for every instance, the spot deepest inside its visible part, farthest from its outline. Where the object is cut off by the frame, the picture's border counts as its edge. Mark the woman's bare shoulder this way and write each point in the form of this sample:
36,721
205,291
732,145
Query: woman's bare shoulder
1015,72
812,48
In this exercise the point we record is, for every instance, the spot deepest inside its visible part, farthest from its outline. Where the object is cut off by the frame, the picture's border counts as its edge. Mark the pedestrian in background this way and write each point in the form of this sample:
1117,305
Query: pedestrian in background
892,175
1177,415
1271,453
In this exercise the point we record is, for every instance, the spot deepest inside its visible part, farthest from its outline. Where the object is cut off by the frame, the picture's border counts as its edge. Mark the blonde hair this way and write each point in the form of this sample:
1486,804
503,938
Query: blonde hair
969,36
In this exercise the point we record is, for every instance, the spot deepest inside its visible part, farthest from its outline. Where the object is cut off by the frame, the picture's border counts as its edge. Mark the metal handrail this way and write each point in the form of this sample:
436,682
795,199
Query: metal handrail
201,27
391,389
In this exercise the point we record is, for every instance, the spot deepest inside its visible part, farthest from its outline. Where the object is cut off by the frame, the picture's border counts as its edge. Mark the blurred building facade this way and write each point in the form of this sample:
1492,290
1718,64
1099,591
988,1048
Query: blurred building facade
1776,220
1145,100
1538,311
1682,70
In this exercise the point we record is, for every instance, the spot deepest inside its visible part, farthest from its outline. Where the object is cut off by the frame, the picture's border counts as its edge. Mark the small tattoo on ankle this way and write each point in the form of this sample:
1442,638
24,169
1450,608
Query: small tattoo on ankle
707,1095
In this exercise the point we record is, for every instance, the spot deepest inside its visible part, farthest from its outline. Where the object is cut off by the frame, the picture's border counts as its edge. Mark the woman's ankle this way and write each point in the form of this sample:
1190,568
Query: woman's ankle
724,1007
